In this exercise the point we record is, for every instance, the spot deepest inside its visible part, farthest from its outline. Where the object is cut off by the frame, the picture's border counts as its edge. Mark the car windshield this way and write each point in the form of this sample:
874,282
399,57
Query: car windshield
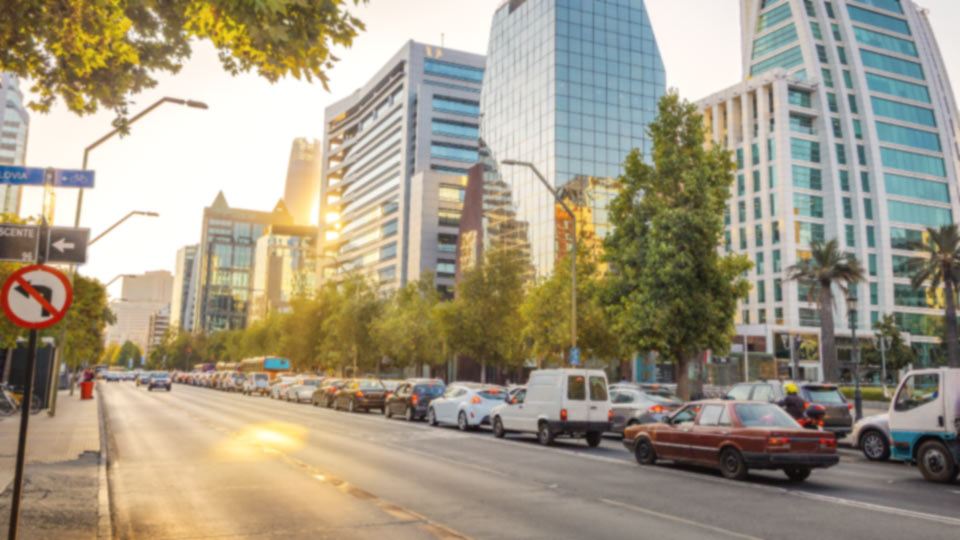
764,415
261,377
431,390
829,396
493,393
662,396
370,385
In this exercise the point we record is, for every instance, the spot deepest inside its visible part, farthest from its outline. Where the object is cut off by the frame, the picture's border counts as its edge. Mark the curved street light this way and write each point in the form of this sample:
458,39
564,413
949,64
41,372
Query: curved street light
124,218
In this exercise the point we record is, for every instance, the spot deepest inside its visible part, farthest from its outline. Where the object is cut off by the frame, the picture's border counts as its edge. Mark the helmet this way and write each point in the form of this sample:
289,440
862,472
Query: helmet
791,388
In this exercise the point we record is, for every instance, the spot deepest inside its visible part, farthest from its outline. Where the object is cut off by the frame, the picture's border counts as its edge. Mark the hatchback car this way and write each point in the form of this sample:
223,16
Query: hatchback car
280,385
412,397
734,436
837,419
326,392
158,379
301,390
360,395
466,405
638,405
256,383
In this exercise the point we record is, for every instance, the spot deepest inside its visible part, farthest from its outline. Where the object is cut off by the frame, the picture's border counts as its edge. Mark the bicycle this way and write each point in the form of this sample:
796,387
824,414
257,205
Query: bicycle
10,401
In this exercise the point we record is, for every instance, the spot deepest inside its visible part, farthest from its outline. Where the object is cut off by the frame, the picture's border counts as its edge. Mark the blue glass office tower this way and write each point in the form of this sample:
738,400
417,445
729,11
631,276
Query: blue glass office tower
570,86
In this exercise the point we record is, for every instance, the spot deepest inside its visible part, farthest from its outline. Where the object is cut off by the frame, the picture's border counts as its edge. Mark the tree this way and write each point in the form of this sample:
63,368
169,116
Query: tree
675,293
482,320
408,329
127,352
96,54
86,320
827,267
356,305
897,353
941,267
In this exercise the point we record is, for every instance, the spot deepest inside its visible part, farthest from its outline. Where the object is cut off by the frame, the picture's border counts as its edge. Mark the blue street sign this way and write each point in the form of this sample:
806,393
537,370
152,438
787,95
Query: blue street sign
574,356
35,176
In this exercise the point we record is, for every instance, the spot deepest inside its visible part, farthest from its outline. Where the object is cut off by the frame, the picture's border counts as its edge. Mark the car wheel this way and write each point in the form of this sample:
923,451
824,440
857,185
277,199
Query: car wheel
352,406
462,421
643,451
797,474
498,430
545,434
387,412
935,462
410,416
732,465
594,438
875,445
432,417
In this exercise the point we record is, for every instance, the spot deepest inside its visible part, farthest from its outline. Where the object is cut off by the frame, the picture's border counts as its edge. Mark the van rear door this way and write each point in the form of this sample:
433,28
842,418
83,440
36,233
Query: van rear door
575,396
599,408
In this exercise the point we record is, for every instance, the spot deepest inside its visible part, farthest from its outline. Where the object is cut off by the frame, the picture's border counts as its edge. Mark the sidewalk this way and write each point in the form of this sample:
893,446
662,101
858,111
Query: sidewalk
61,481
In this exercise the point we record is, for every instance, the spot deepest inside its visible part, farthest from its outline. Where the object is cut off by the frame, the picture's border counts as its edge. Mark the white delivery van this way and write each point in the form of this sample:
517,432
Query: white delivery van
924,420
558,402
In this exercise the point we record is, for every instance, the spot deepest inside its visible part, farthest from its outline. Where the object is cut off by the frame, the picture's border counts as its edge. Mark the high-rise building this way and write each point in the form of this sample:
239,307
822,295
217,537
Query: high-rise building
569,87
142,297
285,268
14,125
224,280
185,278
301,193
159,322
844,128
395,156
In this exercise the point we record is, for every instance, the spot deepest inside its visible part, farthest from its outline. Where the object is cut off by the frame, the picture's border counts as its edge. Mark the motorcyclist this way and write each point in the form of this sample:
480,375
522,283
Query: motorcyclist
793,403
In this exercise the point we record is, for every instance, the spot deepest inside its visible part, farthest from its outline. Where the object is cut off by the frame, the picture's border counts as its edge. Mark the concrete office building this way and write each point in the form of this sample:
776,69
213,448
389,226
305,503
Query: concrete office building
285,268
159,323
185,278
845,127
570,87
224,279
396,153
14,126
142,297
302,189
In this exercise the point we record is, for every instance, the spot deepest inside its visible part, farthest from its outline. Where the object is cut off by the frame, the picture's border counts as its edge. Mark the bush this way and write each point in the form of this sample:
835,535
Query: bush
869,393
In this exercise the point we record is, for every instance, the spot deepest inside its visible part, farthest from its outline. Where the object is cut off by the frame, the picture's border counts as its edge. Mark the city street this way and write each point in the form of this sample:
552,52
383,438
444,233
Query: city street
200,463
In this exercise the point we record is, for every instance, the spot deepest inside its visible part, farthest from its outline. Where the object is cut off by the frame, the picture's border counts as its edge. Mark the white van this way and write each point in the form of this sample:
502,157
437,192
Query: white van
924,419
558,402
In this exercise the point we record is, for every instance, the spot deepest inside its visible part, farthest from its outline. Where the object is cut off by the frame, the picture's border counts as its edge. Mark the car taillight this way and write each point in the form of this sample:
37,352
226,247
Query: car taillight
850,406
778,441
563,414
828,443
656,409
414,399
610,415
806,404
359,394
476,399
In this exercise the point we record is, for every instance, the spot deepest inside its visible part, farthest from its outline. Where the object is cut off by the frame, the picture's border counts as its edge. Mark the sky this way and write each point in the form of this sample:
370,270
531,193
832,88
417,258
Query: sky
176,159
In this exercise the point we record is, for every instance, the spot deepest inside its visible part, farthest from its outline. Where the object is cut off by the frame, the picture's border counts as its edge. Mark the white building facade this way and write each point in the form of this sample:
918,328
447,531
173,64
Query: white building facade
14,126
845,128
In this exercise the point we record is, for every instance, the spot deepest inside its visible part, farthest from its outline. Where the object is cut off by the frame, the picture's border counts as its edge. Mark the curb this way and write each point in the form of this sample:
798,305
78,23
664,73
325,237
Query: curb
104,516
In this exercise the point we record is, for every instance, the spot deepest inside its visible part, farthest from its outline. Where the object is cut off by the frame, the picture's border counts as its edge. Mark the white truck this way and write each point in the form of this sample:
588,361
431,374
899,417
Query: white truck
924,422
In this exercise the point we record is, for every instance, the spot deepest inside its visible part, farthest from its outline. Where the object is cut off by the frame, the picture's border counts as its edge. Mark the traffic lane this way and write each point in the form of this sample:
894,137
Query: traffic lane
172,480
406,458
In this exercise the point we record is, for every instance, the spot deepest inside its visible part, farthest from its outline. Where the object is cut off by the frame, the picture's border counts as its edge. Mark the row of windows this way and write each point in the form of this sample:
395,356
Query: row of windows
454,152
455,129
891,64
916,138
773,17
455,71
907,296
905,238
909,161
808,233
906,186
799,98
807,205
889,5
807,178
801,124
456,106
787,59
805,150
903,112
894,87
879,20
885,41
919,214
774,40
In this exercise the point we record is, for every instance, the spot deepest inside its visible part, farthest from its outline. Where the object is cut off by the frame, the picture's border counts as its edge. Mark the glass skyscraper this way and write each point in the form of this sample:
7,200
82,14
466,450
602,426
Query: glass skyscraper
845,128
570,86
14,126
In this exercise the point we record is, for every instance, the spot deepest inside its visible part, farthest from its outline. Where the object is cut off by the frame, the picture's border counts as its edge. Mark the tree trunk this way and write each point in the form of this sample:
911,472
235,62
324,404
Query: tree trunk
828,346
682,367
483,370
953,347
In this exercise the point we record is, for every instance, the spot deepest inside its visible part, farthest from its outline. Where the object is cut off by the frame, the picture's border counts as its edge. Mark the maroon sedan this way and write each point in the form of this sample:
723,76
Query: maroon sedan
734,436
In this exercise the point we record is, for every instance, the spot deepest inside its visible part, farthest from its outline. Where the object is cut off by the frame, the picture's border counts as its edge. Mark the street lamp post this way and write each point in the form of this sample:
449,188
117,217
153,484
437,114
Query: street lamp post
883,358
121,220
857,396
573,256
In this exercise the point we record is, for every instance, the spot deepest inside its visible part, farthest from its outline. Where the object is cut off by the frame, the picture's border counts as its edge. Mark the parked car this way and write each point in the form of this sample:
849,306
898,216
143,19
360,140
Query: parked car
159,379
280,385
924,421
325,393
256,383
142,378
872,436
734,436
390,384
232,382
301,390
111,376
633,406
360,395
838,418
466,405
412,398
559,402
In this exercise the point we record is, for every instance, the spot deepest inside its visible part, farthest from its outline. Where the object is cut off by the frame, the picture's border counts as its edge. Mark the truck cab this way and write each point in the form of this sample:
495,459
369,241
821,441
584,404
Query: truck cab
925,422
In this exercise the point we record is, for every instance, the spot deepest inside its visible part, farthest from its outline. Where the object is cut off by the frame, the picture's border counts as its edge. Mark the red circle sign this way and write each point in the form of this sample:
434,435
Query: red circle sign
36,297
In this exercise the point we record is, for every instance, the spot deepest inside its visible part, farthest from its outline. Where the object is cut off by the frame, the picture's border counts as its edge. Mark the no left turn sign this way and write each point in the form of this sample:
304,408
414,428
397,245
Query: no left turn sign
36,297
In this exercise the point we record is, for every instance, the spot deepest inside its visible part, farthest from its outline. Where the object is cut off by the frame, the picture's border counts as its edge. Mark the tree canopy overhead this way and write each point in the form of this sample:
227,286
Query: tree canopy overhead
96,54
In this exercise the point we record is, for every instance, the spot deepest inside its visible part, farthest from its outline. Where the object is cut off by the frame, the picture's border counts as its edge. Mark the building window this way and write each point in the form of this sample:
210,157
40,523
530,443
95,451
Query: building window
742,211
776,261
805,150
871,241
845,181
807,205
757,208
916,188
455,129
758,232
455,71
808,233
822,54
867,209
756,180
850,234
841,154
912,162
872,263
453,152
743,238
448,218
874,294
827,78
799,98
741,185
777,290
388,251
865,182
759,263
778,316
456,106
842,54
773,204
775,232
847,208
832,102
837,131
807,178
801,124
919,214
879,20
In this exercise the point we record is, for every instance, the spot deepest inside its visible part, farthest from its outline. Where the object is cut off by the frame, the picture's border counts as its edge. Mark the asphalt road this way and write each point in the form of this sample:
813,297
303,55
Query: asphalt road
200,463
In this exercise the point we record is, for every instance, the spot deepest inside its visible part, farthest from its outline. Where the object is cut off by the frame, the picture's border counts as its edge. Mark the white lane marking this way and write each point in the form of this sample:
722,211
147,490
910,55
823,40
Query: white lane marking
677,519
877,508
957,491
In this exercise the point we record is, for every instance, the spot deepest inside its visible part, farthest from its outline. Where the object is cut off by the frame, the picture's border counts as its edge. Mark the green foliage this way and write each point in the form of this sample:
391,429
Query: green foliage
128,351
95,54
941,268
898,354
675,294
408,329
86,320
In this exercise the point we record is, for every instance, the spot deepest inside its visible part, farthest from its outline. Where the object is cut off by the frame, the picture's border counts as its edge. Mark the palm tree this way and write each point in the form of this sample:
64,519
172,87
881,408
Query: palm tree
826,267
941,267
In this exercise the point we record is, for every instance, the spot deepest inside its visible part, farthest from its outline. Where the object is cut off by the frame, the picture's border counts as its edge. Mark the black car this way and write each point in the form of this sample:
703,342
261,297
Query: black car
411,397
360,395
326,392
159,380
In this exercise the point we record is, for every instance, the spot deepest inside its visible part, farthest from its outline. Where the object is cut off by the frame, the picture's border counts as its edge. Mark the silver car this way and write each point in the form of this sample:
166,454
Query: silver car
639,405
872,436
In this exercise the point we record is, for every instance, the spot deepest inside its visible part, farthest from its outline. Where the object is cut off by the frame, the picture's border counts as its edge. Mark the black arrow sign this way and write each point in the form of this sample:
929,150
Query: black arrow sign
44,291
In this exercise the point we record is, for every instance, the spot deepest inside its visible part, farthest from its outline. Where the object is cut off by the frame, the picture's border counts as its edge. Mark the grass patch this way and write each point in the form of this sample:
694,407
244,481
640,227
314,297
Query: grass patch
869,393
